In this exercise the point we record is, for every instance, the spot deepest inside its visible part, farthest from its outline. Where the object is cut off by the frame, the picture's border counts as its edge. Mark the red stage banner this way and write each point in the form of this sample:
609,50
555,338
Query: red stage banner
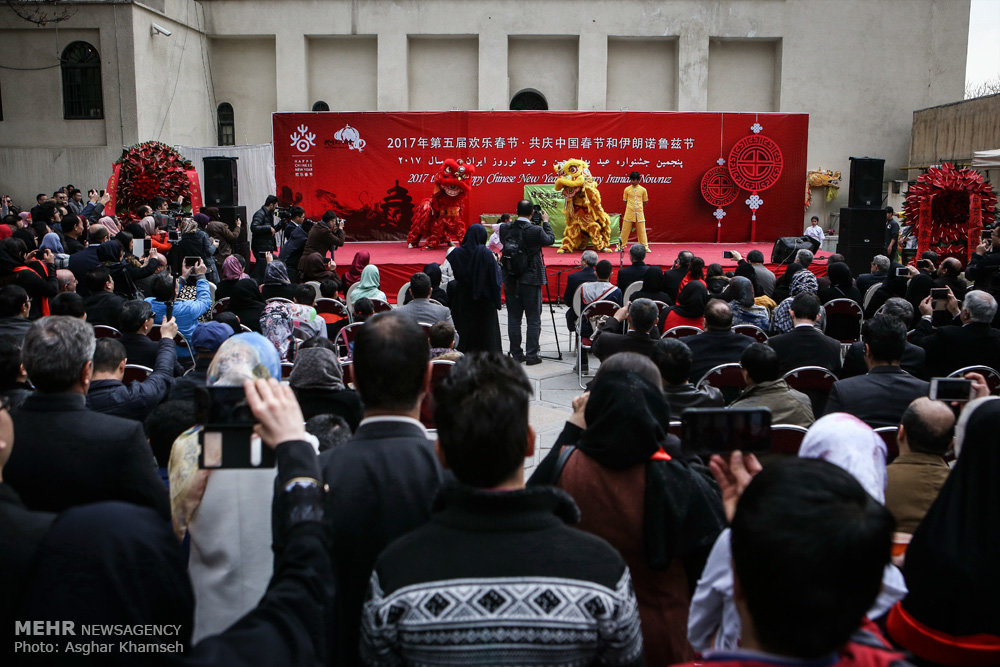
195,202
112,188
372,168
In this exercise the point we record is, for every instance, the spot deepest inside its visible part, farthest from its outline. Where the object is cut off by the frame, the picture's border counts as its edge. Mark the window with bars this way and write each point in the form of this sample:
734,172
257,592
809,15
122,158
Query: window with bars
81,82
227,124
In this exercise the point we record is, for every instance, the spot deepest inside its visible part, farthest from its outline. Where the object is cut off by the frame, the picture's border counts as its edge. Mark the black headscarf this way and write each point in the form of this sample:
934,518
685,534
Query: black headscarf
628,418
246,303
692,299
840,276
951,561
433,271
745,270
652,280
474,265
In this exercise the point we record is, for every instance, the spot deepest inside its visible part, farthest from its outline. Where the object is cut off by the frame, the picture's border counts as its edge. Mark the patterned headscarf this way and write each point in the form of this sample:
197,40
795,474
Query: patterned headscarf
277,326
276,272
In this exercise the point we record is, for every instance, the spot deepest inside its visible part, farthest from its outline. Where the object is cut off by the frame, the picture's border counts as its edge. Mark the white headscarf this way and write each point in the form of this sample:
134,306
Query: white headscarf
963,422
851,444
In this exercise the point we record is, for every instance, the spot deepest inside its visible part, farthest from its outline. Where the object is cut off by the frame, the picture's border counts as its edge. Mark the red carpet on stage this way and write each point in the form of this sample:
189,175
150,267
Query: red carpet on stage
396,262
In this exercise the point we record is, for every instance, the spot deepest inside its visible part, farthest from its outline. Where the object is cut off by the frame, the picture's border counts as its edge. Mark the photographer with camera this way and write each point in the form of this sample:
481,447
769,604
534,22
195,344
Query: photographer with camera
524,275
325,236
262,230
296,232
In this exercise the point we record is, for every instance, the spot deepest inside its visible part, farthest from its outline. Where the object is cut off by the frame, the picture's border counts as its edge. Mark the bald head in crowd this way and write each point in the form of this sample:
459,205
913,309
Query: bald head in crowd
927,426
718,316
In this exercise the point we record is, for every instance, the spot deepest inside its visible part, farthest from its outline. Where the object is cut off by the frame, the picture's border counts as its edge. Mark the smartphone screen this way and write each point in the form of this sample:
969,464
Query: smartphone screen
191,261
141,247
902,272
950,389
720,430
727,254
227,438
940,297
172,235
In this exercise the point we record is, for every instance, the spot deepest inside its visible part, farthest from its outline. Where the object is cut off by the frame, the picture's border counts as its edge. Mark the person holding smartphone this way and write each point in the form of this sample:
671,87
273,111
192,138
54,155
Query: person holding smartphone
984,265
165,289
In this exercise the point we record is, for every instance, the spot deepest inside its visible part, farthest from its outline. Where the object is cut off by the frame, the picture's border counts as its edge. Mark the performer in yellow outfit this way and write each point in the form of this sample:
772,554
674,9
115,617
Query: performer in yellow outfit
634,197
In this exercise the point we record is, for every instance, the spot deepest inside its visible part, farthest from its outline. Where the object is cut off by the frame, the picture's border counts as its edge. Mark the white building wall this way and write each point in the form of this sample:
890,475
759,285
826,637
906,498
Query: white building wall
859,68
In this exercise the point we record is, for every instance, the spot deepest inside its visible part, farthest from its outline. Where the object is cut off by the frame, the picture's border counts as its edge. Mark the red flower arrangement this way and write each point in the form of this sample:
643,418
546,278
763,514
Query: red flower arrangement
147,170
947,207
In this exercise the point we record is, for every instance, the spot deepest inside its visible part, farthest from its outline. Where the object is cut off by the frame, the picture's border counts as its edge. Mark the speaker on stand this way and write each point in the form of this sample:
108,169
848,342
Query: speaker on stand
865,190
862,236
221,183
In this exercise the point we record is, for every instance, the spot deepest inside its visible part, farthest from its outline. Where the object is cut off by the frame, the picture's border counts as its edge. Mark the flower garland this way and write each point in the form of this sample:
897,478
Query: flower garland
941,206
147,170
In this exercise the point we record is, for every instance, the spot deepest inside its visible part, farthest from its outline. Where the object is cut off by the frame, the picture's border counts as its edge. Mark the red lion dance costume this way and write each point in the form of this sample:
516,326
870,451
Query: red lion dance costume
438,219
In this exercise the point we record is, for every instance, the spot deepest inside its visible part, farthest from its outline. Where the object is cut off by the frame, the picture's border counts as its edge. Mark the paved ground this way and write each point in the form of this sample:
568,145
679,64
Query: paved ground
555,382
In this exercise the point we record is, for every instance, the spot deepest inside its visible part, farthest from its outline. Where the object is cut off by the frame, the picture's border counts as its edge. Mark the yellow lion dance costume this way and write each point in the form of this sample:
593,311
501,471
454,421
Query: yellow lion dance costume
585,218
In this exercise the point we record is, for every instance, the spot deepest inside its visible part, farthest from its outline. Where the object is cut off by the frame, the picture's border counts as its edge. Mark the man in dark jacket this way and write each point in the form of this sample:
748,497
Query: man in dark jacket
718,344
524,292
385,479
103,305
880,397
641,316
296,234
262,232
636,270
135,400
913,355
880,271
586,274
14,308
498,572
805,345
136,320
325,236
72,231
68,455
970,341
673,357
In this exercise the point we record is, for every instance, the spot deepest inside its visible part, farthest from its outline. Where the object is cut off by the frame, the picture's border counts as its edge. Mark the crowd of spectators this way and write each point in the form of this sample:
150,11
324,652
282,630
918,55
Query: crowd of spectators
375,540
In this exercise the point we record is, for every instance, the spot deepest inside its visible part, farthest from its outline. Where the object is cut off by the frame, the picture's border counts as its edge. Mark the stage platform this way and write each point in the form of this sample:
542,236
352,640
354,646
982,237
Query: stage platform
397,263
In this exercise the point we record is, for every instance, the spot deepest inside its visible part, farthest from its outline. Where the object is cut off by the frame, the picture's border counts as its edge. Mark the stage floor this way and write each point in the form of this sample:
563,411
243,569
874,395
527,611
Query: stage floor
397,263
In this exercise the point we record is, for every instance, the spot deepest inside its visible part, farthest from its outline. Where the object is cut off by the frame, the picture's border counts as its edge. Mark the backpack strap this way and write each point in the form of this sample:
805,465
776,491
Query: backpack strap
564,454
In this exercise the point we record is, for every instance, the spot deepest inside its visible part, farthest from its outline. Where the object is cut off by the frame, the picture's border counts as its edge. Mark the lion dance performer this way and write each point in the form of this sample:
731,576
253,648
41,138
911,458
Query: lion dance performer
585,218
438,219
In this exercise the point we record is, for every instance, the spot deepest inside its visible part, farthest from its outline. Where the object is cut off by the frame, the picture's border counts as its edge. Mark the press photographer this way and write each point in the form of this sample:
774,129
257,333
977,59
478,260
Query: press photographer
262,231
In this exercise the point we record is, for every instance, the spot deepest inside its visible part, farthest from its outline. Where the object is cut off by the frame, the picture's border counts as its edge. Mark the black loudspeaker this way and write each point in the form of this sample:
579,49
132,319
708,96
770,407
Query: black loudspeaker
221,186
862,236
228,214
866,183
785,248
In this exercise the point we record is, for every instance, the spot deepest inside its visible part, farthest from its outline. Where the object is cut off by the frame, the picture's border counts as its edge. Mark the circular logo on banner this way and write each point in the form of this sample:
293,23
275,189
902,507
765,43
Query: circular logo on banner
755,162
718,188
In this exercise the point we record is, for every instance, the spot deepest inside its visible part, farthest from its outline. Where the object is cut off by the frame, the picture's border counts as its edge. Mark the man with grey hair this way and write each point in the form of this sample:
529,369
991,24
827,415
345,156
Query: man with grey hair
641,316
913,355
880,271
969,341
66,454
585,275
634,273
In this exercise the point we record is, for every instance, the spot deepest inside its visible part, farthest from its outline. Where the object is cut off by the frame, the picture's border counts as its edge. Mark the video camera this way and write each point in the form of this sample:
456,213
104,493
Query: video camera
536,216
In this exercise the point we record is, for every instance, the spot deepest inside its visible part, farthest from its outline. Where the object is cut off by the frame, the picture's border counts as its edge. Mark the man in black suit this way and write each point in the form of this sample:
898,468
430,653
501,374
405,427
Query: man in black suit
633,273
880,271
971,341
586,274
672,278
673,357
103,305
805,345
641,315
880,397
384,480
136,321
68,455
718,344
913,355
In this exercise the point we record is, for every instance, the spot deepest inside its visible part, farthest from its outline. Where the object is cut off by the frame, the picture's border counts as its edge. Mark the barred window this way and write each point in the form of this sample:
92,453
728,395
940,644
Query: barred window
81,82
227,124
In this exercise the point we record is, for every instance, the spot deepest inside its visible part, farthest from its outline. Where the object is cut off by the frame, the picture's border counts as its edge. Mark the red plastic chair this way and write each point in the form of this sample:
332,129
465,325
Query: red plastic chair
440,368
590,311
220,306
346,338
991,375
136,373
331,307
286,369
104,331
888,434
751,331
843,320
380,306
815,382
726,377
681,331
786,439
